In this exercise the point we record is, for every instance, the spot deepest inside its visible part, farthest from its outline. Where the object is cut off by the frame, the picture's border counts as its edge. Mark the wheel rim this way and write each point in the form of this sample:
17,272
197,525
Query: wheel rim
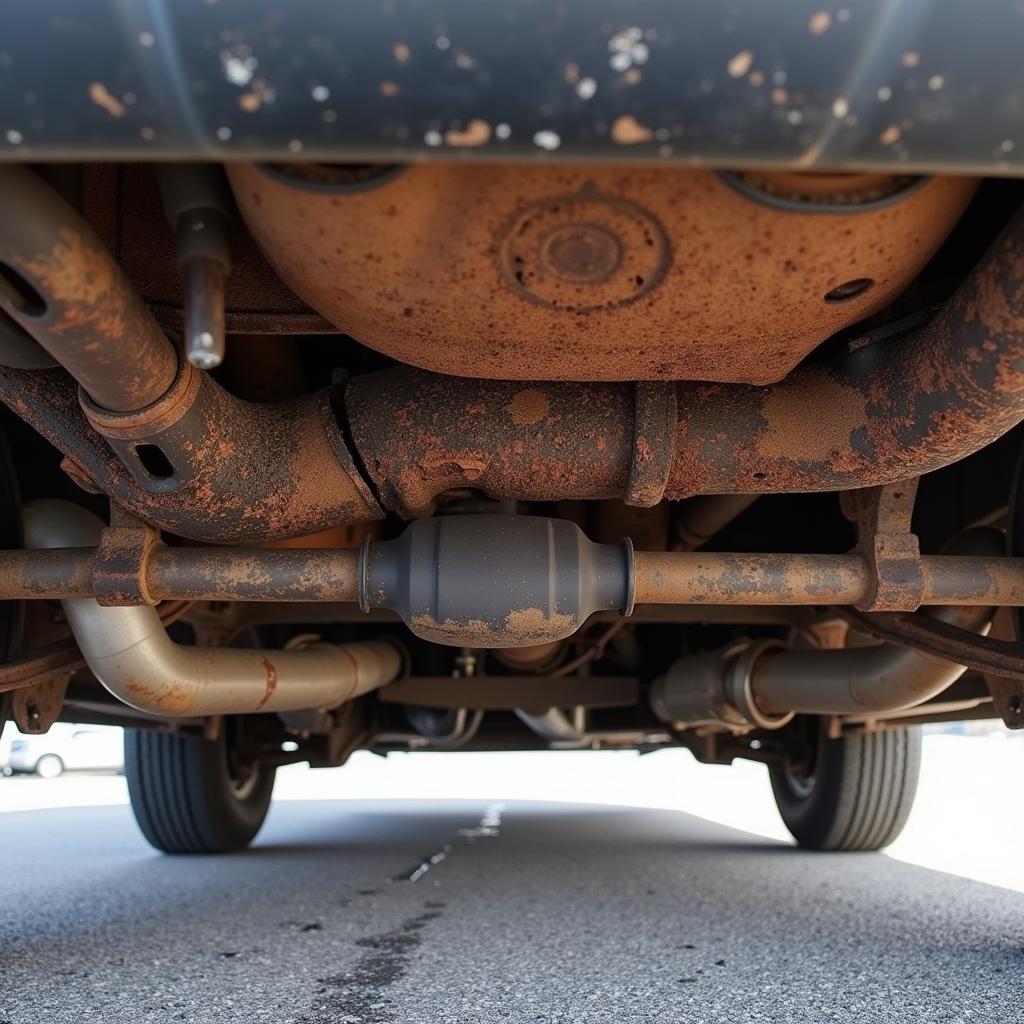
800,783
49,767
242,779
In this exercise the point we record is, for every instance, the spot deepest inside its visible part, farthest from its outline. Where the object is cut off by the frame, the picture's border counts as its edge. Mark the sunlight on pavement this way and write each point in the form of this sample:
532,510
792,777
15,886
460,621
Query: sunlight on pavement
966,820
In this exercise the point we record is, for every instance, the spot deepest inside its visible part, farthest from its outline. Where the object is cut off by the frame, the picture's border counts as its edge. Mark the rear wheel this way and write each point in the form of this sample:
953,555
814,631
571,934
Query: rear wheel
193,795
851,793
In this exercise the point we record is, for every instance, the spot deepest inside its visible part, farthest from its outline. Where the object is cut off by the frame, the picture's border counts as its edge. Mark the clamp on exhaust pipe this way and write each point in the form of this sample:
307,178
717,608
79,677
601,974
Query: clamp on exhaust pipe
716,688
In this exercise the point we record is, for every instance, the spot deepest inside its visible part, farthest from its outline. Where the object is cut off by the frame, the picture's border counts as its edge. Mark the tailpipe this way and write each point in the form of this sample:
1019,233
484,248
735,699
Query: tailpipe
130,653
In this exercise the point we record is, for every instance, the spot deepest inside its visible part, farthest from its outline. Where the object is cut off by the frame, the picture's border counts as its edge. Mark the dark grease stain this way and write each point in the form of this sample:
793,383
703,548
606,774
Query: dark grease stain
359,996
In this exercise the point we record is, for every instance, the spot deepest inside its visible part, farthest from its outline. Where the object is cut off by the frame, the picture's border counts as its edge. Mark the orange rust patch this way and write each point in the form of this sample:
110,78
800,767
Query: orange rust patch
524,628
100,95
799,425
528,406
476,133
627,131
271,683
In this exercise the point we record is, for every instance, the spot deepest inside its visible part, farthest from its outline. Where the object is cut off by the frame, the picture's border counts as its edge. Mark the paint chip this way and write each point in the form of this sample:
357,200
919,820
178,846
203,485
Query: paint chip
476,133
740,64
320,93
502,131
586,88
628,131
14,137
936,82
100,95
146,39
840,108
389,89
891,134
819,23
910,59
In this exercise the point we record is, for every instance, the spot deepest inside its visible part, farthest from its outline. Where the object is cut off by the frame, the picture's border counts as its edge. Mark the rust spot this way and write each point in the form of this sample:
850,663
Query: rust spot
628,131
476,133
271,684
819,22
101,96
527,407
527,627
740,64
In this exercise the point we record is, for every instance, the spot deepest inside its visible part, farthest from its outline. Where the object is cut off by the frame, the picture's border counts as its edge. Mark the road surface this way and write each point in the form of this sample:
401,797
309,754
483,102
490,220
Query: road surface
380,912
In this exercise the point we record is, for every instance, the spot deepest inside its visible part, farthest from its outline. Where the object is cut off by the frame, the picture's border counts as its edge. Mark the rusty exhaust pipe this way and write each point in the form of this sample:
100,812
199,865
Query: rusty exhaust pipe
161,438
62,286
130,653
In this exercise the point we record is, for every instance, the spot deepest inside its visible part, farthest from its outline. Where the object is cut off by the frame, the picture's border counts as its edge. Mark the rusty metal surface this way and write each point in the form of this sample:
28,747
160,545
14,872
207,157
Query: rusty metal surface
880,414
589,273
884,412
661,577
120,567
47,574
131,570
83,311
36,707
244,472
228,574
682,577
421,434
122,204
882,516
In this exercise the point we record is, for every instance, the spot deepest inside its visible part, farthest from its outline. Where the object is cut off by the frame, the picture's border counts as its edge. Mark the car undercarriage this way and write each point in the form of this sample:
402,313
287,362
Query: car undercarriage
620,440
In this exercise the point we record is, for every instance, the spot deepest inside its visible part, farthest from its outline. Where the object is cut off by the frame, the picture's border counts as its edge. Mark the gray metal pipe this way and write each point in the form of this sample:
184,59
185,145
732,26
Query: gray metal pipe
763,684
703,517
882,678
555,726
130,653
859,680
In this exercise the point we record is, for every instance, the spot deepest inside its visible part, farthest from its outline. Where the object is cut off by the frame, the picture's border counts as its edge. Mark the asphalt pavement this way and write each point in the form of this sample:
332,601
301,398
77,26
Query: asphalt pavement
380,912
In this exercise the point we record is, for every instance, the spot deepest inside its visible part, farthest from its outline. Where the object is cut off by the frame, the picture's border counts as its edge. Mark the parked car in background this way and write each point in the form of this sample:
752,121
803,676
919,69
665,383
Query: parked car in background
68,747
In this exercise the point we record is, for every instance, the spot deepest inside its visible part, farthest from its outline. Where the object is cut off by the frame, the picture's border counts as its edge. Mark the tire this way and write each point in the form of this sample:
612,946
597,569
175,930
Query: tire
857,793
186,796
49,766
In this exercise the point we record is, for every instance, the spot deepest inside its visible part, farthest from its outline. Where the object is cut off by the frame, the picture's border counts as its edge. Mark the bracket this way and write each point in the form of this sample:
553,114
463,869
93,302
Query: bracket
881,516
